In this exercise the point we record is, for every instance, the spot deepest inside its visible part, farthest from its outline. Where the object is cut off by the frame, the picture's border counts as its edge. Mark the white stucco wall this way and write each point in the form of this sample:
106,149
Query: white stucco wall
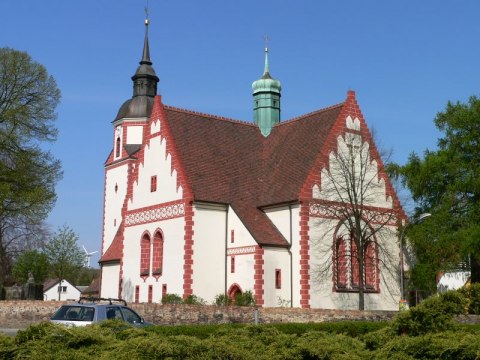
134,134
115,177
172,272
156,163
209,244
275,258
338,174
244,262
281,219
110,276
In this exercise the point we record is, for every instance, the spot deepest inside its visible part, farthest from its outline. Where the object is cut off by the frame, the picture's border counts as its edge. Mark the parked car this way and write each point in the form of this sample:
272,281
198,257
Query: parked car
93,310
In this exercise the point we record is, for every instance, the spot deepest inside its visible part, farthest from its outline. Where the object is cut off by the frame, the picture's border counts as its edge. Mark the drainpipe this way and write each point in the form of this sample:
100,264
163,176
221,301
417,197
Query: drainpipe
291,257
226,246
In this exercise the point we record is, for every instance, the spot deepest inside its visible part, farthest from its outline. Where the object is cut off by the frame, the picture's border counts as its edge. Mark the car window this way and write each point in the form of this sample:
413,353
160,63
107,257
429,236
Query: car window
113,312
131,316
74,313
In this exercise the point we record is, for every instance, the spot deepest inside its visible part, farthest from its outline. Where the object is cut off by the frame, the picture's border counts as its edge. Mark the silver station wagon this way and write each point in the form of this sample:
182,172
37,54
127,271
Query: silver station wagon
93,310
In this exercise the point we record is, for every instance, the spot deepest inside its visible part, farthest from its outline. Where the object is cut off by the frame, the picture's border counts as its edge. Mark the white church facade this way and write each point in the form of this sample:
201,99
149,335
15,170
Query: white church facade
198,204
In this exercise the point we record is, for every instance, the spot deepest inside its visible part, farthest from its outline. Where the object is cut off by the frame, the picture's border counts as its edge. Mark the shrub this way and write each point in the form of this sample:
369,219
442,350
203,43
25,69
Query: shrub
172,299
432,315
194,300
222,300
377,339
245,299
444,345
472,294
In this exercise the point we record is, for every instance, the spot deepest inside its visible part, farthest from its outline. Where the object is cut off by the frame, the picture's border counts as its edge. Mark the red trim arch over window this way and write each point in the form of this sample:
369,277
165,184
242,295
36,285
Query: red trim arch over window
145,255
346,272
157,265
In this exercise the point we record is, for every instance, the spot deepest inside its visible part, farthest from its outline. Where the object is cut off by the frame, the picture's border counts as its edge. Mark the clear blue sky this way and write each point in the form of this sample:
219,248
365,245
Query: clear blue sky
404,59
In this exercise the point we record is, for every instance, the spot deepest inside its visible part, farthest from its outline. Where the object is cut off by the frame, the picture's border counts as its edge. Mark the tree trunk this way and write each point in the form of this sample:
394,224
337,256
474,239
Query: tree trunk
475,268
361,285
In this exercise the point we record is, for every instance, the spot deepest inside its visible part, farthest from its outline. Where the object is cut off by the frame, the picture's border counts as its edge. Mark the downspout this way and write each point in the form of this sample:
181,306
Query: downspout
291,257
226,247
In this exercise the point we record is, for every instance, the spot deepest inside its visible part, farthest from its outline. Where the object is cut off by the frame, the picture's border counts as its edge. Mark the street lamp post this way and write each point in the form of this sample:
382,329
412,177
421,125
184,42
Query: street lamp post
402,241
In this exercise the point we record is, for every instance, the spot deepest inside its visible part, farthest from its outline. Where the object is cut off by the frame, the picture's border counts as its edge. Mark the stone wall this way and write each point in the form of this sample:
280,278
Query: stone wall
18,314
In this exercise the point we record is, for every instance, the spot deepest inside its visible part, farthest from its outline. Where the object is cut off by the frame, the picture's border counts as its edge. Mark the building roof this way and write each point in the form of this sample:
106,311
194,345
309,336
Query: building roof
114,251
49,283
93,288
228,161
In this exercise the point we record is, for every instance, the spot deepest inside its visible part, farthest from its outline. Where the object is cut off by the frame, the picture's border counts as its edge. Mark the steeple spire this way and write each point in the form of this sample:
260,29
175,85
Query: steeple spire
145,80
266,71
145,83
146,48
266,100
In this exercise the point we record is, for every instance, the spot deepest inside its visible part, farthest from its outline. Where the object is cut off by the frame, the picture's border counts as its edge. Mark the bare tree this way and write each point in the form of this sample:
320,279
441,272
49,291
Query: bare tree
17,235
359,216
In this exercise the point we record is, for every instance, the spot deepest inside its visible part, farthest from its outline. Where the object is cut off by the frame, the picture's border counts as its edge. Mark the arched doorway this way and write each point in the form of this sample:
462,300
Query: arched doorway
233,291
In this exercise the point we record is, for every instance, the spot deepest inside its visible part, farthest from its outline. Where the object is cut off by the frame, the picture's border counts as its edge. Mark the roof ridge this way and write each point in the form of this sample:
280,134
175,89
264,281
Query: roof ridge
210,116
300,117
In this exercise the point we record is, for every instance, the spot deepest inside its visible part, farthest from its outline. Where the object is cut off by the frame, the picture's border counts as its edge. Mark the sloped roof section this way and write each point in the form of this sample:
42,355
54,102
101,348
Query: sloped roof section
115,250
228,161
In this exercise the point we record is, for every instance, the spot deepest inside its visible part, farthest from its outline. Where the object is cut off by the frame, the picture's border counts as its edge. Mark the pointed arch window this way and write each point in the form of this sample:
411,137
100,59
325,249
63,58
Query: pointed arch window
157,265
346,265
145,255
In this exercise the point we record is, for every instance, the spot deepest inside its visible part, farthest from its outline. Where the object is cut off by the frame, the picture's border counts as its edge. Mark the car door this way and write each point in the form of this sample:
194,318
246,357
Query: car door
131,316
114,312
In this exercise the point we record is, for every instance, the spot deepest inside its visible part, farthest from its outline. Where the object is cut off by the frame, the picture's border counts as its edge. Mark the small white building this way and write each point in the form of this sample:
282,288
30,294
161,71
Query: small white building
452,280
54,289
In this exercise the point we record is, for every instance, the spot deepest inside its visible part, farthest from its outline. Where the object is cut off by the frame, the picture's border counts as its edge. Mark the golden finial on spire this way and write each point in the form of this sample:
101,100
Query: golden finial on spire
266,38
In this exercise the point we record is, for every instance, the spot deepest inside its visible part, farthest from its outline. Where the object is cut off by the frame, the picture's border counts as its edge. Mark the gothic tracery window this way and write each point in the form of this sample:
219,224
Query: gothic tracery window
346,266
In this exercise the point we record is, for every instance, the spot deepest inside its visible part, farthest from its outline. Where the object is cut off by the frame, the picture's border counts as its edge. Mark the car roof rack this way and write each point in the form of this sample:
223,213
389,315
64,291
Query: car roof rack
85,299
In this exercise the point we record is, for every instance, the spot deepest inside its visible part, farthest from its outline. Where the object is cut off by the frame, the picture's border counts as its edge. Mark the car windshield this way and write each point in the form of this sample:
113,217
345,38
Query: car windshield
74,313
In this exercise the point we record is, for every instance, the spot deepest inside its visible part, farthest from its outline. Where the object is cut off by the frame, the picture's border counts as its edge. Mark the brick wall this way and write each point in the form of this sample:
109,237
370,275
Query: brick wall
18,314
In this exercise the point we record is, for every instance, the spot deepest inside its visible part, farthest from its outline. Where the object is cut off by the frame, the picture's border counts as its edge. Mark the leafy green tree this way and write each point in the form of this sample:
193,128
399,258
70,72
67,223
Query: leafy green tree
65,256
31,262
446,183
28,173
86,275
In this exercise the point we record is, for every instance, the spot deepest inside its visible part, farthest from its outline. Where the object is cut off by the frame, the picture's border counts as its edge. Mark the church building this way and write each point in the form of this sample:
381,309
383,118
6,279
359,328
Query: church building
199,204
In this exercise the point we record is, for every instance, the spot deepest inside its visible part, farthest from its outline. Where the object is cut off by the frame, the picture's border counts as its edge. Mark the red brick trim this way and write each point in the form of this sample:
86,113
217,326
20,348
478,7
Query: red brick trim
259,275
349,108
304,256
188,251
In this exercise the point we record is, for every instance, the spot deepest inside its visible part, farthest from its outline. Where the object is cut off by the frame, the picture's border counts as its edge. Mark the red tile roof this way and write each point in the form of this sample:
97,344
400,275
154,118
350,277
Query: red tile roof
114,251
228,161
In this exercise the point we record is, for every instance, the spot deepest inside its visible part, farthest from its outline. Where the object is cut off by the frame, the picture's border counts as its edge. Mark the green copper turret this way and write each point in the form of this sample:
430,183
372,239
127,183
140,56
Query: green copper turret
266,100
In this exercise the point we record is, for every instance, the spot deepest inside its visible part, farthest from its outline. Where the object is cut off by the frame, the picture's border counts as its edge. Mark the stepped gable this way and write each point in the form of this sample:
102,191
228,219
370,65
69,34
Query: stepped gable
228,161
